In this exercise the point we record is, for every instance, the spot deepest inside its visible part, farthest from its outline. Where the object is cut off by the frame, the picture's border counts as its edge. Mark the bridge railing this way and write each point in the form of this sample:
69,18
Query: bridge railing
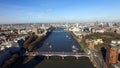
56,53
61,54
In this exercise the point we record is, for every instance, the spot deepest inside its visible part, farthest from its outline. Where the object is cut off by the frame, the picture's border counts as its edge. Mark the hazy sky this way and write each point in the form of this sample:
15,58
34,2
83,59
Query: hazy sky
25,11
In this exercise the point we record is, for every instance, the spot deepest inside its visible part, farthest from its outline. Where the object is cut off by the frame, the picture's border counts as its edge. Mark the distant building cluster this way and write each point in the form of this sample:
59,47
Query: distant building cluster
11,34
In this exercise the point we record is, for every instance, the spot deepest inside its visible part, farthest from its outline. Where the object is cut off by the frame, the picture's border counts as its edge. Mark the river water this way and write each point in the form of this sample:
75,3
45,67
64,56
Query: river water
62,41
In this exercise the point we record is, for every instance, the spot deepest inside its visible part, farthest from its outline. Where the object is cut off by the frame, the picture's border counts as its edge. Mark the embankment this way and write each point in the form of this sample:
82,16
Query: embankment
79,41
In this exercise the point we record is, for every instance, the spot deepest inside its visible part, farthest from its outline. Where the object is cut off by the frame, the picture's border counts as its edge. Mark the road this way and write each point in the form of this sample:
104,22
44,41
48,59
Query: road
96,59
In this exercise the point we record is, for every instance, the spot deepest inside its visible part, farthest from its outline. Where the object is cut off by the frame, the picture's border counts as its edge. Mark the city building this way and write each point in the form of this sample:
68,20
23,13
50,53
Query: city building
112,53
99,31
92,43
36,29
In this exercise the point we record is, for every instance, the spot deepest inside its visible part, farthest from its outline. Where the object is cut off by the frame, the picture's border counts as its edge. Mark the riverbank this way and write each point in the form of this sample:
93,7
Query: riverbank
37,44
82,45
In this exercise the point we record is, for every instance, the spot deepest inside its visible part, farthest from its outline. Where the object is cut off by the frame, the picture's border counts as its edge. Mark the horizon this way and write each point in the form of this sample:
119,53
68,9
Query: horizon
54,11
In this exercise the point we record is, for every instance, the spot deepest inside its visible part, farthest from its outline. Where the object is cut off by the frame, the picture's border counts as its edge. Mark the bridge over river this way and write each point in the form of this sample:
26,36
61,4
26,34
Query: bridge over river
61,54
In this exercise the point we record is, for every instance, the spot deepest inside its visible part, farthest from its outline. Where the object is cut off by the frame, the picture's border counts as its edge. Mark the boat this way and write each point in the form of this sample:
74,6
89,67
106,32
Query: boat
74,50
73,47
67,36
50,46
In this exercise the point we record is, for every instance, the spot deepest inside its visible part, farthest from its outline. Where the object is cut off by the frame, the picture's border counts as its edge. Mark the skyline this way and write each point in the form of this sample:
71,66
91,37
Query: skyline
34,11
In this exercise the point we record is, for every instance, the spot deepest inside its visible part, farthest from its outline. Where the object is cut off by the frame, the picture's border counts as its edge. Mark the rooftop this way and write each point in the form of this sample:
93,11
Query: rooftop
115,43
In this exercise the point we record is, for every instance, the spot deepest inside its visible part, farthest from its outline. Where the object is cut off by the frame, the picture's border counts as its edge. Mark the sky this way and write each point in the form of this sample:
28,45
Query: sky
45,11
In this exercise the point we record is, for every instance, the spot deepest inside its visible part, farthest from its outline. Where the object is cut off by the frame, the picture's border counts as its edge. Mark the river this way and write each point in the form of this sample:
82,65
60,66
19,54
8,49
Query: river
59,41
62,41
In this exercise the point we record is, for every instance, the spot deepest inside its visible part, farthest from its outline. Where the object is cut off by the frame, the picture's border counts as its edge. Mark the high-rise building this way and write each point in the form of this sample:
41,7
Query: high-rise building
36,29
112,53
77,25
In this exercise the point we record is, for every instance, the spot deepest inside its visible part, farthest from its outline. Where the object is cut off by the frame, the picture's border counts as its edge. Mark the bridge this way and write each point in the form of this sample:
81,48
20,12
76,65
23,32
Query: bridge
61,54
58,31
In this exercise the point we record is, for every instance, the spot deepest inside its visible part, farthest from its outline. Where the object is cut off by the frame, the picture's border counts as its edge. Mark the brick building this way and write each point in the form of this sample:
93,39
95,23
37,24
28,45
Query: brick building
112,53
